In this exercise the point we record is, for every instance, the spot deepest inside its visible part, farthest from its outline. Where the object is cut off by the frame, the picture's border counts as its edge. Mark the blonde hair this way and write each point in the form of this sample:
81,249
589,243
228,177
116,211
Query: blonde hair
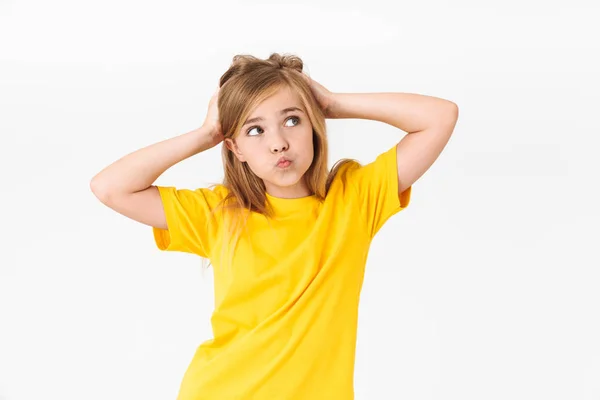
249,81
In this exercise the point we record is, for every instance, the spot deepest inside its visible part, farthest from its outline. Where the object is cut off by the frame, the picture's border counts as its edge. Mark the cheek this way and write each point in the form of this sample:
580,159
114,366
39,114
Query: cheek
306,143
253,155
246,149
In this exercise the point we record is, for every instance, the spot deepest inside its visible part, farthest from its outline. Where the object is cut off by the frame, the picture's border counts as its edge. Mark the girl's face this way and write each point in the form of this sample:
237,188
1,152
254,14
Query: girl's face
277,143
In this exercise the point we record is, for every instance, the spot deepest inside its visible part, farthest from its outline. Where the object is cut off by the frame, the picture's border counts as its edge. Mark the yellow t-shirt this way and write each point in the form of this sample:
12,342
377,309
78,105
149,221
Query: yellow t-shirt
285,317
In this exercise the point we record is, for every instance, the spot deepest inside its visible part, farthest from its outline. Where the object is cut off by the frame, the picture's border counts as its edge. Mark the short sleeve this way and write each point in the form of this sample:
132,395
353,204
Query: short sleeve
190,222
377,186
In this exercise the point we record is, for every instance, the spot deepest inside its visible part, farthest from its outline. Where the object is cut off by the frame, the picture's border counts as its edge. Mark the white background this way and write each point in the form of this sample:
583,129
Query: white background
486,287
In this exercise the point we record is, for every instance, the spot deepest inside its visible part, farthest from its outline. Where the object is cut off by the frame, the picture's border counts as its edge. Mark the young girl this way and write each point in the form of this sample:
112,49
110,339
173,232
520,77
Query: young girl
288,240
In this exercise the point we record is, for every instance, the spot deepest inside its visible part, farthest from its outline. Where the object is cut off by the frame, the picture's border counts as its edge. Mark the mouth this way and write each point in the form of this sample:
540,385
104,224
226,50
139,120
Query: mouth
284,162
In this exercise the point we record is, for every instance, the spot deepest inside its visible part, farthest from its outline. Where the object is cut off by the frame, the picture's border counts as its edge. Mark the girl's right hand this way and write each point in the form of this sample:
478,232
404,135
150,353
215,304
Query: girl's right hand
211,124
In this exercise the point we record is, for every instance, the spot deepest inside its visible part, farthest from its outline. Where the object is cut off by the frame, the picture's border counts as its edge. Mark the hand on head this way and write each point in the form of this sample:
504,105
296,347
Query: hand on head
211,123
324,97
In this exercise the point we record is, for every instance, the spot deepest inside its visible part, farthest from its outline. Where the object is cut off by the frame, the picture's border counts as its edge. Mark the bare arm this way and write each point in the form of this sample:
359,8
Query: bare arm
429,121
138,170
126,185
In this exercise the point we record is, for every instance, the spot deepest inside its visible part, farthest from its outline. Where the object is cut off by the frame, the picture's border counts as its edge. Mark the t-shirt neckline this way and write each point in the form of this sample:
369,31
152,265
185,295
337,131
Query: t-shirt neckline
286,205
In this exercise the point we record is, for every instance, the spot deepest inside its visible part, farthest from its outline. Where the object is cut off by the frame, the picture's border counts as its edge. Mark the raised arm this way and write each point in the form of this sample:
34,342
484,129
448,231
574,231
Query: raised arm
126,185
429,122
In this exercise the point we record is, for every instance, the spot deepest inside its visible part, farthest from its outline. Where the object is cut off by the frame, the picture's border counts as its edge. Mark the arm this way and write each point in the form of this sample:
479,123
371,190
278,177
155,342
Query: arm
429,122
126,185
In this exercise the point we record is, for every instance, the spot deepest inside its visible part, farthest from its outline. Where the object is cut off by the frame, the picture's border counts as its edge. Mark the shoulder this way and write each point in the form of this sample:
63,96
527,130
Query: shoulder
383,165
349,169
344,169
203,197
351,177
218,191
341,176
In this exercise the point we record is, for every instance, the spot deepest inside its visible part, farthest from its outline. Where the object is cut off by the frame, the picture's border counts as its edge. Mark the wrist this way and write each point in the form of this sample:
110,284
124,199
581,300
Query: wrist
333,108
204,137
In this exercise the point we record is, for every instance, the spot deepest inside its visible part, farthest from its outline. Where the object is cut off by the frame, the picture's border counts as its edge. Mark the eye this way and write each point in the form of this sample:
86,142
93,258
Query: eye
251,129
248,132
296,118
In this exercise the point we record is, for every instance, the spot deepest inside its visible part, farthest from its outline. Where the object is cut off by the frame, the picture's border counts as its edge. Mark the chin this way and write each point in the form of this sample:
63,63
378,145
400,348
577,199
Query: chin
286,181
285,178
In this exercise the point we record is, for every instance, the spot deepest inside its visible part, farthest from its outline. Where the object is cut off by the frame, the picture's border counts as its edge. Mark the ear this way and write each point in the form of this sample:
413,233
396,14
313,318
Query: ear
233,147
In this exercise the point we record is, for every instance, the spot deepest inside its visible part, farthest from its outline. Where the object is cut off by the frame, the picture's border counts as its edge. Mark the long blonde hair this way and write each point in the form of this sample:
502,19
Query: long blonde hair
249,81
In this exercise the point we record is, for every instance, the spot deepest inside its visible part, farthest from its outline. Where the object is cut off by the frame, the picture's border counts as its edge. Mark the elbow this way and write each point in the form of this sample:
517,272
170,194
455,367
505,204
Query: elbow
453,110
451,114
99,189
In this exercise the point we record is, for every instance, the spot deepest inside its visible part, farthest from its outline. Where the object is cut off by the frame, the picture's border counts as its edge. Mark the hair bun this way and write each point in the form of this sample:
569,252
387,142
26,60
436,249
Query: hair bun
243,63
286,61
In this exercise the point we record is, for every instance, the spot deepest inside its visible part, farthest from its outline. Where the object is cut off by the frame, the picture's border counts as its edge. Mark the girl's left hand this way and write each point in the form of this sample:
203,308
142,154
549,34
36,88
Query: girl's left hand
324,97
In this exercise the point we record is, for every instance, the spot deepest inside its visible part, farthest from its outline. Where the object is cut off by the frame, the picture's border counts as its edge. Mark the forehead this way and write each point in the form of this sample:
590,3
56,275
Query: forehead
283,98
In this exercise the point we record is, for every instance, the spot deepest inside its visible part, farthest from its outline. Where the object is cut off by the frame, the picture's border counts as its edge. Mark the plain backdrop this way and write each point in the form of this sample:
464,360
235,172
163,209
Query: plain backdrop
486,287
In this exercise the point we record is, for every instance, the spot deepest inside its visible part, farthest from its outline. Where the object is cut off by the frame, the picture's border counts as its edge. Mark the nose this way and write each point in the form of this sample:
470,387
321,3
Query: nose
278,143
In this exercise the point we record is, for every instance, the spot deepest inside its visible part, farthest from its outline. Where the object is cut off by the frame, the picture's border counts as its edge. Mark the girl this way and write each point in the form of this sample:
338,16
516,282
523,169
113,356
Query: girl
288,240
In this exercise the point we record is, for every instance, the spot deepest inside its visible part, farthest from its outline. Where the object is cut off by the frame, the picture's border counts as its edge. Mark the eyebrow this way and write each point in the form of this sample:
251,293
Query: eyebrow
285,110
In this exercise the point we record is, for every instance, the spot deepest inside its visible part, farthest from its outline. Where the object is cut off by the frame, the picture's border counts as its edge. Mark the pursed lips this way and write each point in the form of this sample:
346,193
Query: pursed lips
283,161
